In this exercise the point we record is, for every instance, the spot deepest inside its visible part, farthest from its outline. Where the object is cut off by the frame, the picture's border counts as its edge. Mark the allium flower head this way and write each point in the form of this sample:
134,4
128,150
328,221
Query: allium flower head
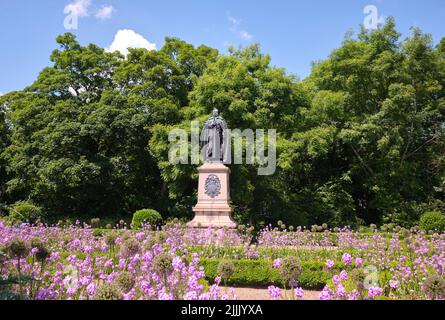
290,268
434,287
17,248
225,269
107,291
125,281
162,263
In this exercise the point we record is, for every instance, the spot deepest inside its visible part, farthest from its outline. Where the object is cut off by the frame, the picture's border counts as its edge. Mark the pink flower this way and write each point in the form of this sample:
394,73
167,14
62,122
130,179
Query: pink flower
329,264
326,294
129,295
71,291
336,280
358,262
177,264
354,295
343,275
91,289
341,292
140,236
277,263
374,292
299,293
347,259
394,284
88,249
275,292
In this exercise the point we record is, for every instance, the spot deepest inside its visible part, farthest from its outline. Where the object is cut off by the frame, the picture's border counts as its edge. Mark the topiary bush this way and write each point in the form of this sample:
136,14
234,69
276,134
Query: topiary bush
25,211
432,220
145,216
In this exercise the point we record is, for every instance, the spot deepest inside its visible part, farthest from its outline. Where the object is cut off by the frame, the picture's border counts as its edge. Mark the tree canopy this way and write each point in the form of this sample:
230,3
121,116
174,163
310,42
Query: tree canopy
360,139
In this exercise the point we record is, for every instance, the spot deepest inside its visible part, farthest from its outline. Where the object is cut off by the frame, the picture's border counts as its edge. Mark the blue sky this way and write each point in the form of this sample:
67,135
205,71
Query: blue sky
293,32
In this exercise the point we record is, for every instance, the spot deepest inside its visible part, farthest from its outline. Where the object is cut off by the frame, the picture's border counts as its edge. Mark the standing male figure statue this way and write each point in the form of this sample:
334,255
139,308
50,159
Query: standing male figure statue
213,207
215,142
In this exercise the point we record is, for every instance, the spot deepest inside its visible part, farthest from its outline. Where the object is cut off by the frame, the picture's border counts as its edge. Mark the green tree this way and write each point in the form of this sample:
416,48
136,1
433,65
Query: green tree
80,133
4,142
249,93
377,116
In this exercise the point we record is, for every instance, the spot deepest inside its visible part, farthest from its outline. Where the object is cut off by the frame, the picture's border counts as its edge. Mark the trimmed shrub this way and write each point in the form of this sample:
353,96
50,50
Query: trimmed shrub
313,279
261,273
25,211
432,220
145,216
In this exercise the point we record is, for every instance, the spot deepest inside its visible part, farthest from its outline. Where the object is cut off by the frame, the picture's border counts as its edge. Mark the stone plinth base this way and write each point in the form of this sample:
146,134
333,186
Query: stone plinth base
213,209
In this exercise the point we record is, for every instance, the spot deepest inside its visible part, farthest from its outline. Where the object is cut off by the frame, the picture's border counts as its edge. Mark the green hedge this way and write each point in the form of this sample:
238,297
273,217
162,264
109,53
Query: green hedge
261,273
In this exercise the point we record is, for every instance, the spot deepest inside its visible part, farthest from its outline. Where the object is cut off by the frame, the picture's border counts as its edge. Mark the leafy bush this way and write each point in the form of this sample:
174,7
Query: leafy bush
432,220
145,216
25,211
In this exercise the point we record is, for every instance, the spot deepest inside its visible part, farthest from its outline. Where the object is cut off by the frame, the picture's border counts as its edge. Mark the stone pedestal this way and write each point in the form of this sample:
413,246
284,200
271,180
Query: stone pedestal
213,207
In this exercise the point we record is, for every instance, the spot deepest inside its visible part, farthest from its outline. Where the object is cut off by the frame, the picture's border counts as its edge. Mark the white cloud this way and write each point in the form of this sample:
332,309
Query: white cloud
233,21
234,24
1,93
79,8
245,35
126,38
105,12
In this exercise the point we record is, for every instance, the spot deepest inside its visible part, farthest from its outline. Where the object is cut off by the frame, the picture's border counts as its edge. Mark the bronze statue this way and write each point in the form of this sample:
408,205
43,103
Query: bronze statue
214,139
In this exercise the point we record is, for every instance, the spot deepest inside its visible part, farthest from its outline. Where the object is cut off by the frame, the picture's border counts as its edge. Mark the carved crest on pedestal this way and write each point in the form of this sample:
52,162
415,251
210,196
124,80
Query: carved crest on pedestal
212,186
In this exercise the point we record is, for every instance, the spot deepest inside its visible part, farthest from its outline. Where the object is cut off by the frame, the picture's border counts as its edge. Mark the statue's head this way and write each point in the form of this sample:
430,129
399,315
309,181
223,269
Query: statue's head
215,112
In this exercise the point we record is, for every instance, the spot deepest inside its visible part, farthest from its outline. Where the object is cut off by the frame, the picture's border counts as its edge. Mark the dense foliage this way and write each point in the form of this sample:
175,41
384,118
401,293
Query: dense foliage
361,139
432,220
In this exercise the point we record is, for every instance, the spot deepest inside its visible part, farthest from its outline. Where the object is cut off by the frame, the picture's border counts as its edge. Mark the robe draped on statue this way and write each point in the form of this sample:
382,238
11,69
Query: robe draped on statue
215,140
